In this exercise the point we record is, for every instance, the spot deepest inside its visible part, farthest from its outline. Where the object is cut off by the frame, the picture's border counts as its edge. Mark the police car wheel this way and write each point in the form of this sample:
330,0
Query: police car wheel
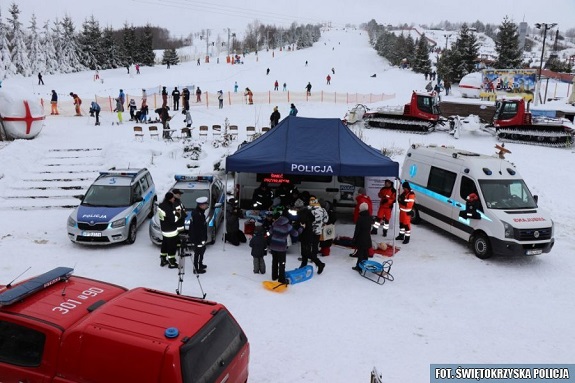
132,232
481,246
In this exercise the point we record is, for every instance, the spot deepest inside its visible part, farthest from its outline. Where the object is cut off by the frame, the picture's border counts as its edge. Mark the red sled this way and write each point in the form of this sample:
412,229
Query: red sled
249,227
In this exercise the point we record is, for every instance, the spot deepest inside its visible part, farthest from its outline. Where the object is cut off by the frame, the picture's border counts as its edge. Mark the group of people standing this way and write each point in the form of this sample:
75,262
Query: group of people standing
275,116
367,224
289,216
172,215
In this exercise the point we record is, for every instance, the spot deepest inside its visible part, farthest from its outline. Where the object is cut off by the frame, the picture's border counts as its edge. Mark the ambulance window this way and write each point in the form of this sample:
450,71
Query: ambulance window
467,187
21,345
441,181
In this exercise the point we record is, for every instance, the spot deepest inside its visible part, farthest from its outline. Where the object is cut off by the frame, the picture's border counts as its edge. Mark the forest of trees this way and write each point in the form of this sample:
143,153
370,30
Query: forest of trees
461,57
57,47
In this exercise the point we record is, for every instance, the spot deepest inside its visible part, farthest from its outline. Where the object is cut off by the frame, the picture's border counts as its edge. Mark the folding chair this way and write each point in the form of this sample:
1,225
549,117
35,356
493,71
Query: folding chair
216,131
185,133
250,132
233,132
204,132
154,132
376,272
265,129
138,133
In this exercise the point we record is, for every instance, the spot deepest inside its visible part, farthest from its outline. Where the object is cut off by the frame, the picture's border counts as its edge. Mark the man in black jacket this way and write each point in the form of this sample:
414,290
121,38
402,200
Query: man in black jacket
169,225
176,98
199,234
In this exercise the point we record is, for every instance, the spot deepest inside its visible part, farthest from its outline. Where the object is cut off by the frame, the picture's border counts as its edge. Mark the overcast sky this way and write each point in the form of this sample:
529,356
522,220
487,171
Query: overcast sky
182,17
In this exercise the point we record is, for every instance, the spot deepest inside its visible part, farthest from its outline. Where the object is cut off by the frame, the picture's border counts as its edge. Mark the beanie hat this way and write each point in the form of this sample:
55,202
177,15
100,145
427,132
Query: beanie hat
405,185
363,206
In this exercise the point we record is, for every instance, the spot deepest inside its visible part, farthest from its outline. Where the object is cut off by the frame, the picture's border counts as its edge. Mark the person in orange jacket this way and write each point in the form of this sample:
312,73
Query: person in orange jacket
406,201
387,194
77,103
359,199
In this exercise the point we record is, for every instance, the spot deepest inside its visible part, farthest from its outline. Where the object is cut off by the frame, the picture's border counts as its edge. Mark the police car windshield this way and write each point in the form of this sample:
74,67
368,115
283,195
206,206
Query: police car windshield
189,197
507,194
108,196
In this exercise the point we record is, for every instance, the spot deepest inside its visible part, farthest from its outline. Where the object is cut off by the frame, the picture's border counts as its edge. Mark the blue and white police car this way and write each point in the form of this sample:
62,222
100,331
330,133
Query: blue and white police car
113,208
193,187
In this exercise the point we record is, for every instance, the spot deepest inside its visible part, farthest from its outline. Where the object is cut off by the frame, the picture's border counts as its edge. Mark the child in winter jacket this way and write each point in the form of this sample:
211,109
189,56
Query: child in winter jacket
133,107
259,246
281,229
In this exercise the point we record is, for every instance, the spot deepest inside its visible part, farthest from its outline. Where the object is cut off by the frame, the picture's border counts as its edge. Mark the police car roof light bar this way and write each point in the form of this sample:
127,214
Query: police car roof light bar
182,177
118,173
34,285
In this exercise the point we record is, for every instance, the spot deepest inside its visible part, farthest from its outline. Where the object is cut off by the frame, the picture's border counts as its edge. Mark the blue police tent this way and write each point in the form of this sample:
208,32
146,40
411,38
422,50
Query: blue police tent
311,146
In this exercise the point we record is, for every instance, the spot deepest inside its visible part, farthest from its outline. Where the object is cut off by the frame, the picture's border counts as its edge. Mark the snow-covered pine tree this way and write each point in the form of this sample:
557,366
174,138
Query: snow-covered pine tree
70,50
17,39
507,46
36,51
50,56
460,59
422,64
110,50
7,68
128,44
170,56
145,54
89,41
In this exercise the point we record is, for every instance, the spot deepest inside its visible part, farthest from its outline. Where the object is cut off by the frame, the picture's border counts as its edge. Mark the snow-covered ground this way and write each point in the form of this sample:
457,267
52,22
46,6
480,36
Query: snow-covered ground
445,305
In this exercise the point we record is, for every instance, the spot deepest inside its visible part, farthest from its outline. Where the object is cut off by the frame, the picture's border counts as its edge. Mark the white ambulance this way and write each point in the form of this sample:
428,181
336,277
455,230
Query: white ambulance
507,219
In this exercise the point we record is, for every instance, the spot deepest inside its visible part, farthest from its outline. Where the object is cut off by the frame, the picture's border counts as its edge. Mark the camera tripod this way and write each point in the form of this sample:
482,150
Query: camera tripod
185,250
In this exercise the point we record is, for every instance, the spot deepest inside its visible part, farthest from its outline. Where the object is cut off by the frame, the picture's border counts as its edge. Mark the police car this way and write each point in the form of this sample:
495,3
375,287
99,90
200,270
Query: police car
193,187
113,208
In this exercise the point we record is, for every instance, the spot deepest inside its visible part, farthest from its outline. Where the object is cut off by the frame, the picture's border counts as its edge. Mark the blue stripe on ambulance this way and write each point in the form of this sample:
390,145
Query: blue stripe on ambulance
463,224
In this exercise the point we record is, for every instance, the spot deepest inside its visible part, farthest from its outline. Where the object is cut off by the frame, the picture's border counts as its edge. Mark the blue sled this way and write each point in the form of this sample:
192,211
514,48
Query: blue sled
299,275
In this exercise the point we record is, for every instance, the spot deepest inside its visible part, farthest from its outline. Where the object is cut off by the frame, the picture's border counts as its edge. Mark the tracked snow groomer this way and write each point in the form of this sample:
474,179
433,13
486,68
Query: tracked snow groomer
421,115
513,122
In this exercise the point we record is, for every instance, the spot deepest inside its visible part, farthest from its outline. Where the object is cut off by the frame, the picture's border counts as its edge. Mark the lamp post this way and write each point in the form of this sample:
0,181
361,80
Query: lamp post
446,38
545,27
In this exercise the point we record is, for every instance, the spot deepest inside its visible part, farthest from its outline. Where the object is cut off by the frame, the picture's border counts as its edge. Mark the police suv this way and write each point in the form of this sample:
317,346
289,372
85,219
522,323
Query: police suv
193,187
113,208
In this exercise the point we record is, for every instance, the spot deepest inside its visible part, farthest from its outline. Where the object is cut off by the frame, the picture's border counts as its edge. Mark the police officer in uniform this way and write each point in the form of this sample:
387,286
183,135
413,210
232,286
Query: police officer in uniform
199,234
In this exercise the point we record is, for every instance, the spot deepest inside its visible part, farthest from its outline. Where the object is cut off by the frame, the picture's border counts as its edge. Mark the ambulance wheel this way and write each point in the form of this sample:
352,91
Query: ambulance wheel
481,246
415,218
132,232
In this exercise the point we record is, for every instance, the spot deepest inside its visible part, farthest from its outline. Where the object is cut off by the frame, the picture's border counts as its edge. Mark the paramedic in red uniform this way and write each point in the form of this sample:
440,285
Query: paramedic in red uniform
406,200
387,194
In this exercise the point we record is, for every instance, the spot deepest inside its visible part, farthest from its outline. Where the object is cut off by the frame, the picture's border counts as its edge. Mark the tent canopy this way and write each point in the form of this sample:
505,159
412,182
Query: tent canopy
311,146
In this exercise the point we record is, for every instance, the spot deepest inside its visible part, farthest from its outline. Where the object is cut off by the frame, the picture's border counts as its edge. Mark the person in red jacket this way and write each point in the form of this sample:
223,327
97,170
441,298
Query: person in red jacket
406,201
387,194
362,197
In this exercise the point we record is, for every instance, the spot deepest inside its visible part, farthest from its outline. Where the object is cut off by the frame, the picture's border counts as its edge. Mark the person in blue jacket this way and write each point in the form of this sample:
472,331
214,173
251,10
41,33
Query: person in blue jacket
293,110
95,111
